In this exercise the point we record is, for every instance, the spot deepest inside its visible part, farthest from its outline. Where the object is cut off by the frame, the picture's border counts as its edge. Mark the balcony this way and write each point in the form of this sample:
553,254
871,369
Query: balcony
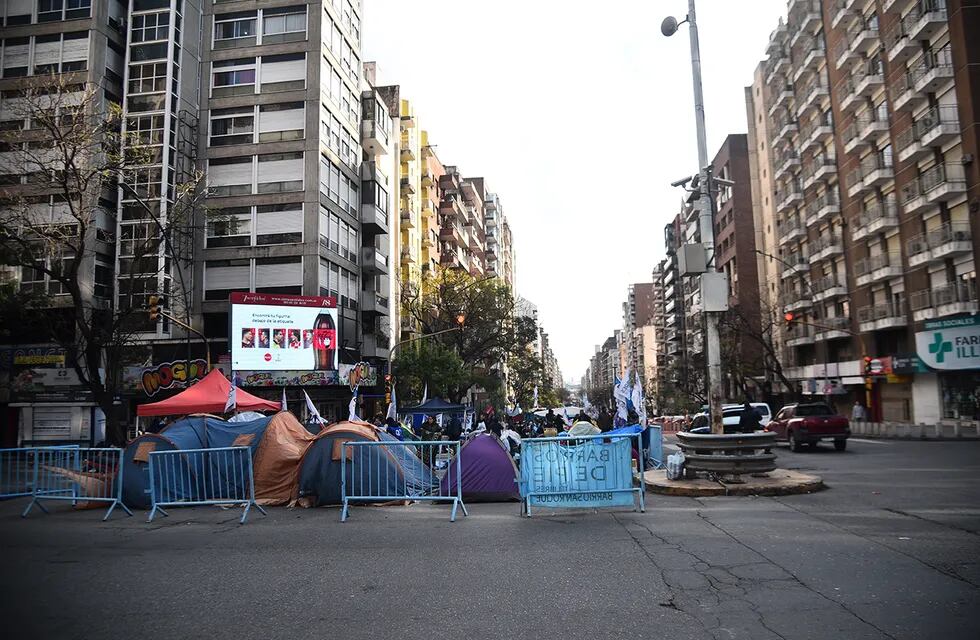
939,183
373,304
818,169
933,72
811,95
796,301
374,138
878,217
822,208
934,128
782,98
852,141
842,53
814,53
902,93
407,187
926,20
878,317
832,329
841,10
795,264
791,195
408,219
810,17
946,300
876,170
785,163
862,38
828,287
950,240
373,262
798,336
817,134
898,45
867,81
876,268
373,219
871,129
790,231
826,247
784,129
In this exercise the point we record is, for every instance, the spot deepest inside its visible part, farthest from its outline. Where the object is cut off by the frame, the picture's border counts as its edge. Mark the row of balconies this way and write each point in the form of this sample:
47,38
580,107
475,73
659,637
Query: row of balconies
817,133
795,264
812,94
781,97
876,218
921,23
813,52
828,287
936,184
792,194
822,208
818,169
945,300
859,39
939,244
930,74
826,246
785,162
875,170
791,230
888,315
877,268
859,86
934,128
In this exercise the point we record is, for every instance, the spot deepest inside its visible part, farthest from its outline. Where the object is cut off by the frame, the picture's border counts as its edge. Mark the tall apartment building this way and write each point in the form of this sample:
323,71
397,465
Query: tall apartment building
864,117
432,172
267,101
410,208
499,248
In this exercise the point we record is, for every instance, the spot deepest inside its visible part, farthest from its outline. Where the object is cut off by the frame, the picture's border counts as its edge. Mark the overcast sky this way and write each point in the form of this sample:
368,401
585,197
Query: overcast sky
579,115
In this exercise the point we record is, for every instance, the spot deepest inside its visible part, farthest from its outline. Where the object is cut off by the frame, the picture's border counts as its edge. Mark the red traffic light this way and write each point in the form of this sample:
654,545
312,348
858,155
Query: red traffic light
388,377
789,317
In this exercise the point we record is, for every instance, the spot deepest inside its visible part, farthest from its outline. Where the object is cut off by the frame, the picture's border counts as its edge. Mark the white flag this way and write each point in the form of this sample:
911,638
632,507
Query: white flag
282,405
352,408
638,402
393,405
314,414
439,419
232,401
425,394
535,402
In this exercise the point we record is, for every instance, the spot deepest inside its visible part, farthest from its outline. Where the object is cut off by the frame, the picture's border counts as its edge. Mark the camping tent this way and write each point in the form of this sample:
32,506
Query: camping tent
208,395
276,464
194,432
487,472
380,470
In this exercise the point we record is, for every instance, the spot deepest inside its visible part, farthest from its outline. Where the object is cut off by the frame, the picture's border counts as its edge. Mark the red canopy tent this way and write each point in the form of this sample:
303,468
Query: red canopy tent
209,395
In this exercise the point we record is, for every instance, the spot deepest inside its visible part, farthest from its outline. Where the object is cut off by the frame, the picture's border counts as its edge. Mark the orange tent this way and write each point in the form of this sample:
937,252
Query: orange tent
208,395
276,464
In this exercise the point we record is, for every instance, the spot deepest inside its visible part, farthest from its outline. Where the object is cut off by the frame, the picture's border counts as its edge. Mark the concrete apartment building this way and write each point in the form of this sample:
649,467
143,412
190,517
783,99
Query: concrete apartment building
864,130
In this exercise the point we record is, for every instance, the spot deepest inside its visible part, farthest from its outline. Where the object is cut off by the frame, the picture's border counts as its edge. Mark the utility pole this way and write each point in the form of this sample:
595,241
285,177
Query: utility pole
712,345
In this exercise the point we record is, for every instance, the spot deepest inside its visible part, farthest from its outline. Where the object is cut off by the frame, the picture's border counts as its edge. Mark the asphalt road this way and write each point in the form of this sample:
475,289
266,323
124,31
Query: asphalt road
889,551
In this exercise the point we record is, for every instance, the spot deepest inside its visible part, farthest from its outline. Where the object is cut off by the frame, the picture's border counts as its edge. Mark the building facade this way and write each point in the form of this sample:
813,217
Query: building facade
864,116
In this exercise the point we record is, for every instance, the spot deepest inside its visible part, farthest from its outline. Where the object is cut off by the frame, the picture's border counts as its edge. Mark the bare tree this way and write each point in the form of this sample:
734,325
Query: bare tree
60,179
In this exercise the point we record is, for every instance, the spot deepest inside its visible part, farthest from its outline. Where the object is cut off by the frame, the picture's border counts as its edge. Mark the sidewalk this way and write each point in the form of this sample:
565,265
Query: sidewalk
953,430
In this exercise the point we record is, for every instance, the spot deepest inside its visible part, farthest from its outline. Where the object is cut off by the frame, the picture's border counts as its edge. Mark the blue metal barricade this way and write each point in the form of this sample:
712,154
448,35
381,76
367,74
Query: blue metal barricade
655,452
580,472
17,470
386,471
190,477
82,476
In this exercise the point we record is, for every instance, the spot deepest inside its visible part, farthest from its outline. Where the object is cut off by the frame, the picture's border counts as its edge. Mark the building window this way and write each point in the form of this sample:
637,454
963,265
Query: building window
234,30
280,122
150,27
279,275
285,72
16,52
230,176
233,77
279,223
232,126
231,227
278,172
148,78
284,24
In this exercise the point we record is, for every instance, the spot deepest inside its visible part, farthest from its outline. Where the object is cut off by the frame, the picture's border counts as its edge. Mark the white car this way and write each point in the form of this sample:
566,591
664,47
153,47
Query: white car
732,413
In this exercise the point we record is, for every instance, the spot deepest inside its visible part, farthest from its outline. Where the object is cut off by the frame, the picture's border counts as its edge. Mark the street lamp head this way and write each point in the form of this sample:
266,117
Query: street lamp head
461,319
669,26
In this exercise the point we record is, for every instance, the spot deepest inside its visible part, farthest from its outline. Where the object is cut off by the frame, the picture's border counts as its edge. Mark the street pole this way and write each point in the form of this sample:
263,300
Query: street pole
712,346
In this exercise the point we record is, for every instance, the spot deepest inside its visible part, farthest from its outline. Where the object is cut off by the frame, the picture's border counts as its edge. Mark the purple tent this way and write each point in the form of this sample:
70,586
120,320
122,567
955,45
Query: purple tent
488,472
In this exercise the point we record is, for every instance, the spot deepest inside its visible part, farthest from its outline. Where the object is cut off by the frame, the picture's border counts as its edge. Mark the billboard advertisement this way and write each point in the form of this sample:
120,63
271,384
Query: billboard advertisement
272,332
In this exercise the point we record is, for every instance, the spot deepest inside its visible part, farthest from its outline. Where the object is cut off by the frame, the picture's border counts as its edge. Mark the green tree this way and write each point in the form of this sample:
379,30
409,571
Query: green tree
491,332
524,372
426,363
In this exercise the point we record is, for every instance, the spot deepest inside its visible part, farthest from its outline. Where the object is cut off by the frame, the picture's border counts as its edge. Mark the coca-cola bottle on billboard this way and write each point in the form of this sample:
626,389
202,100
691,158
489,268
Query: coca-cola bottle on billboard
324,342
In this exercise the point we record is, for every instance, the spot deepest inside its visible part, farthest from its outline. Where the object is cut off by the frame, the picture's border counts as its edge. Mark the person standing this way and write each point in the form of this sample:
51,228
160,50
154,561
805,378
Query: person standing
858,414
749,420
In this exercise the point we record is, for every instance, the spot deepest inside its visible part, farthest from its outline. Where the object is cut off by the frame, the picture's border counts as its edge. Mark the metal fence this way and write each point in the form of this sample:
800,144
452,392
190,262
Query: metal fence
85,477
17,470
581,472
189,477
655,451
388,471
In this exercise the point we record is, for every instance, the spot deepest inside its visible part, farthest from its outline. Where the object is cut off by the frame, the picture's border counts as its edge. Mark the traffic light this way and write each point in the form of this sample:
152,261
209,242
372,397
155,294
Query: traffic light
790,319
867,366
153,304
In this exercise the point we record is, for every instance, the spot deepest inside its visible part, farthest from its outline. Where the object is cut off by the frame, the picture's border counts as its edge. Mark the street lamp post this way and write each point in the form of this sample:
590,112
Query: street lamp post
712,341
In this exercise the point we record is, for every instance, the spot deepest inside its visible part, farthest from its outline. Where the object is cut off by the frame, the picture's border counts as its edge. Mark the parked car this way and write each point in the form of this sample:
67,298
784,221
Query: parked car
808,424
731,414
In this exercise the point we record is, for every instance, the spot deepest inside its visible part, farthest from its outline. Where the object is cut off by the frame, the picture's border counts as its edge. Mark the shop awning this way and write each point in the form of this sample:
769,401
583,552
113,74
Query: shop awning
208,395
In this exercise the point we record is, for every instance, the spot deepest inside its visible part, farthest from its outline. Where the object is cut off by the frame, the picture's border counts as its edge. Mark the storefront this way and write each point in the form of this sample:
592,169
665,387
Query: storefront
950,349
47,402
330,391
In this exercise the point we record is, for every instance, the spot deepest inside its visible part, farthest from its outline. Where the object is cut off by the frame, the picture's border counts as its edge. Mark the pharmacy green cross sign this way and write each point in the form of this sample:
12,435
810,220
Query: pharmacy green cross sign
950,344
940,347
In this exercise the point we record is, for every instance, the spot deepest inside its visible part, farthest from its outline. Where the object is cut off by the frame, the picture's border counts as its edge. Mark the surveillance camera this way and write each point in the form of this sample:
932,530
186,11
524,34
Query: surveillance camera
680,183
723,182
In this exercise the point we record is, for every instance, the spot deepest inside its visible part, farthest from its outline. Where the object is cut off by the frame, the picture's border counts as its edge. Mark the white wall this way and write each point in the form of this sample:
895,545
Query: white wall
925,399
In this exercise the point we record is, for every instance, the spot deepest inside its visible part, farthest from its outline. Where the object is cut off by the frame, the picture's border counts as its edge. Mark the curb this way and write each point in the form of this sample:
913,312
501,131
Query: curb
781,482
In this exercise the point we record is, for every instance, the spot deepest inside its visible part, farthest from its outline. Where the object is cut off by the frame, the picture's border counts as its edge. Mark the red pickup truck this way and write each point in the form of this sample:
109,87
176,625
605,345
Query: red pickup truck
807,424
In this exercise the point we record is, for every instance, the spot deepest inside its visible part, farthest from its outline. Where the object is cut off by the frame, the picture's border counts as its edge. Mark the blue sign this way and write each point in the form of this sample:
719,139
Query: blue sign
583,472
